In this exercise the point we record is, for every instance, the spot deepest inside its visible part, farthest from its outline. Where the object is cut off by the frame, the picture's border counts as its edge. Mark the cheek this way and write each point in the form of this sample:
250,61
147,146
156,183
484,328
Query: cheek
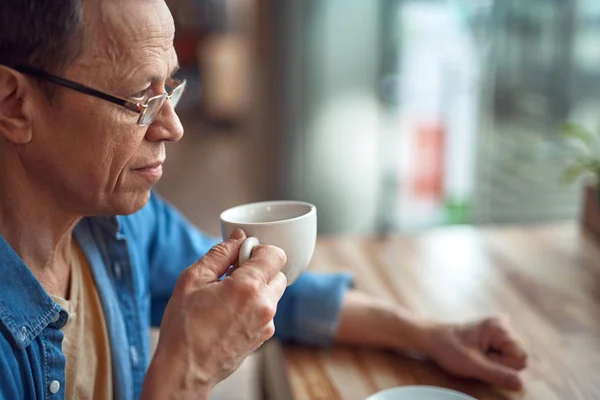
112,151
88,143
121,156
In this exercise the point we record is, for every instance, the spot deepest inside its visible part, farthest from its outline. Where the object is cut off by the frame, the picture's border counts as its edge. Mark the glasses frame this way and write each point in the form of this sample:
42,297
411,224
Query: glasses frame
176,86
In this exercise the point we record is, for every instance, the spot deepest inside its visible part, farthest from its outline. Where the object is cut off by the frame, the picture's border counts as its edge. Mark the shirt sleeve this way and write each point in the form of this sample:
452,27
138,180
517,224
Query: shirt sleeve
308,312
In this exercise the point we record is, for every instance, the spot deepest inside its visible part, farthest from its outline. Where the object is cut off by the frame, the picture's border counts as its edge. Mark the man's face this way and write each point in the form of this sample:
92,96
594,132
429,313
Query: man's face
90,154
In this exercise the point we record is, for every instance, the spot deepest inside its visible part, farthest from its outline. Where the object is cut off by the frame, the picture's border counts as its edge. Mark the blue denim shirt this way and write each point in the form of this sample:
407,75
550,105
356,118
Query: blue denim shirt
135,261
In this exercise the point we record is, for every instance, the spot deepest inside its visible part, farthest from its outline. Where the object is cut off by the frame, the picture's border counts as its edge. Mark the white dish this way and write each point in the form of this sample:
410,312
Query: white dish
419,393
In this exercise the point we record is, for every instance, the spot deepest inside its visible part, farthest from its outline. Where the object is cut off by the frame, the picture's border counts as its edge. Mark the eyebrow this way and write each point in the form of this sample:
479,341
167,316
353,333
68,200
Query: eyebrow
156,78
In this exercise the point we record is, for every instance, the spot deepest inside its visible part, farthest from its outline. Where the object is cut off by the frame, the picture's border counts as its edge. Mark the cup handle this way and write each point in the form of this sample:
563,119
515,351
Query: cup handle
246,249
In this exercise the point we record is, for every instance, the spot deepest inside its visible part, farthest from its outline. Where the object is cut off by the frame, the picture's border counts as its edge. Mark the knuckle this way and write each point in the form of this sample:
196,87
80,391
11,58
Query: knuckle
266,312
218,251
269,331
249,289
250,274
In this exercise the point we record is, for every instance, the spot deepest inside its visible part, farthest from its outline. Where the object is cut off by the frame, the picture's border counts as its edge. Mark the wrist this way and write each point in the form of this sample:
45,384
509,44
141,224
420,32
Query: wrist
429,337
414,334
172,377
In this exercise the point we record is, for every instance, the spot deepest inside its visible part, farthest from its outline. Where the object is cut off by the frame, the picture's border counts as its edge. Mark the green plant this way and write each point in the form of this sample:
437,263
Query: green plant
584,153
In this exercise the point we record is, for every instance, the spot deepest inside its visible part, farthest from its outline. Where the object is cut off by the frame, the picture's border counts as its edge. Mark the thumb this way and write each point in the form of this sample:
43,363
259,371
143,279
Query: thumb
495,373
219,258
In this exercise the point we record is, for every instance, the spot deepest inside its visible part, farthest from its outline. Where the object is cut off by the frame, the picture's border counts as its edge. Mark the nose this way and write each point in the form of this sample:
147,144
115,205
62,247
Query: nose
166,127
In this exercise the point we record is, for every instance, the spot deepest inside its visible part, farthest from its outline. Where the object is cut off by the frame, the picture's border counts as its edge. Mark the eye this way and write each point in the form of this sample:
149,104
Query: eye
170,84
140,95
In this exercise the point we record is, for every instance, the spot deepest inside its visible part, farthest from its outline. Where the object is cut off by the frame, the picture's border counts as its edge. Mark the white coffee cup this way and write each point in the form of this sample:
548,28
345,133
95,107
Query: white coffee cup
289,225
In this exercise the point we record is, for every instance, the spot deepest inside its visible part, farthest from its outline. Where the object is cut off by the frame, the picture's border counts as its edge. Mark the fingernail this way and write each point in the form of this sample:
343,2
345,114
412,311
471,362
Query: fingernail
237,234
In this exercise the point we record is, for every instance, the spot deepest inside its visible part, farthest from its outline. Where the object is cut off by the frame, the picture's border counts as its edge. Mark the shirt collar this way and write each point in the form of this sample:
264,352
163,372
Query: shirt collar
110,224
25,307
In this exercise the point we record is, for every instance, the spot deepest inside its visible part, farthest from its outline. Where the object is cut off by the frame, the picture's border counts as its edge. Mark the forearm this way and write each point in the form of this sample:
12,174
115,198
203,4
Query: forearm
367,321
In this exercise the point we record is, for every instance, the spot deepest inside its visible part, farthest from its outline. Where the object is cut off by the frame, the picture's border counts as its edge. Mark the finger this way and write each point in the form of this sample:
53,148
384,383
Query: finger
218,259
513,353
234,266
517,363
263,265
506,345
277,286
232,269
495,373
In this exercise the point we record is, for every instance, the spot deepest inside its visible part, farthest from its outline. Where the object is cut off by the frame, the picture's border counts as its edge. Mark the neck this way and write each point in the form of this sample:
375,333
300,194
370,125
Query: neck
35,226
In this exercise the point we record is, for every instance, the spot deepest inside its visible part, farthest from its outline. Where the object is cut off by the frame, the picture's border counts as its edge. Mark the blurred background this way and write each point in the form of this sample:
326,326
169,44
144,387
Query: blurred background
388,115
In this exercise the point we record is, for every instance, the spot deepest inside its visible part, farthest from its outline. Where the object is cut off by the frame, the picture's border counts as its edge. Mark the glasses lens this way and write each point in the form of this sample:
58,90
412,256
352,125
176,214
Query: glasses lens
176,95
151,111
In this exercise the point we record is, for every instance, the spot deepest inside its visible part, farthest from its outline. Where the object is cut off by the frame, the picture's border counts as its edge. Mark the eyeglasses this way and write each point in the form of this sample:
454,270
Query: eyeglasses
147,110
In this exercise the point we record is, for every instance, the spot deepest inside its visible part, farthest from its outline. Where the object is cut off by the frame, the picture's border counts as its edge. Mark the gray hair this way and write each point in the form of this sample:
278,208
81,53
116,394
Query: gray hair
43,34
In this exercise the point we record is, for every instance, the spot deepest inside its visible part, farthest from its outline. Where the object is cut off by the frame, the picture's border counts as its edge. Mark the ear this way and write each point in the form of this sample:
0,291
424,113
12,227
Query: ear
15,120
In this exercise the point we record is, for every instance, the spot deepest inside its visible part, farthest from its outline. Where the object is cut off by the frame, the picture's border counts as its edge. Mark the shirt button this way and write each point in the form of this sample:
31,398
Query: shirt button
23,332
54,387
134,356
55,318
117,268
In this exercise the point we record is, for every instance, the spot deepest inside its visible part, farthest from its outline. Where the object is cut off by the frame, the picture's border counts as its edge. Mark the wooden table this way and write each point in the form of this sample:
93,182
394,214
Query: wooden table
546,277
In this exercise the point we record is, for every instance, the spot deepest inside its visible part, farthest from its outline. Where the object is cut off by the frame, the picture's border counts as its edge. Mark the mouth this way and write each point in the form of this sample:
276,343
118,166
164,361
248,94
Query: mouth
152,170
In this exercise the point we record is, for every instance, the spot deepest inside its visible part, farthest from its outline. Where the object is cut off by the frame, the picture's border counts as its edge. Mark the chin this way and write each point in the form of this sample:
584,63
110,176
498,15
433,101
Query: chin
128,203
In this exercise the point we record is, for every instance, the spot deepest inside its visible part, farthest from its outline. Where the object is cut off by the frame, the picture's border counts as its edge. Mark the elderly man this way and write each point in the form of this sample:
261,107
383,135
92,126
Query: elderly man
90,258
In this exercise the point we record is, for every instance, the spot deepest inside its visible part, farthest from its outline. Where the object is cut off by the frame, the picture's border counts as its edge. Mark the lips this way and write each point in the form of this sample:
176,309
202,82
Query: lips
149,166
151,171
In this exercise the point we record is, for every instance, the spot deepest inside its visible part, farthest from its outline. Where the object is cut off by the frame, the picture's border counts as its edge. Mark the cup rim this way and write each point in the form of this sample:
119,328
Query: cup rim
312,210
